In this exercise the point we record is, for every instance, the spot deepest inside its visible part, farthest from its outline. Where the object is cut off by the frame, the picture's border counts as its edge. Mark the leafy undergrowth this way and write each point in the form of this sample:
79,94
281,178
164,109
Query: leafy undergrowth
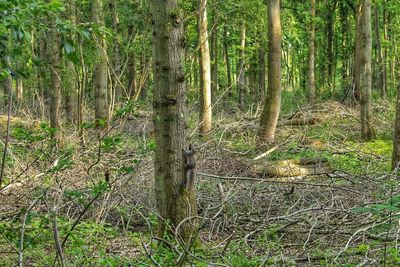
96,193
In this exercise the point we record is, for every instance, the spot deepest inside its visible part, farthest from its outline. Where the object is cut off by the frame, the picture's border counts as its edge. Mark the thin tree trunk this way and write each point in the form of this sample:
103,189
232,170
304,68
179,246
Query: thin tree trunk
214,49
55,97
381,75
228,61
7,87
100,72
132,75
330,52
71,81
356,96
174,171
262,71
270,115
396,136
205,71
367,132
311,56
242,68
117,56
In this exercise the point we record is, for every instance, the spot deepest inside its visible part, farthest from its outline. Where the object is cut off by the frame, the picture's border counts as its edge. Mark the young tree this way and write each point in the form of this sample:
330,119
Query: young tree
311,56
241,71
100,72
173,165
270,115
396,136
55,94
227,60
205,70
365,46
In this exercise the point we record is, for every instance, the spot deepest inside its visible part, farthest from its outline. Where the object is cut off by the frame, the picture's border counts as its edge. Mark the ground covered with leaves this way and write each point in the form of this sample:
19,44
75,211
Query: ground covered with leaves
90,203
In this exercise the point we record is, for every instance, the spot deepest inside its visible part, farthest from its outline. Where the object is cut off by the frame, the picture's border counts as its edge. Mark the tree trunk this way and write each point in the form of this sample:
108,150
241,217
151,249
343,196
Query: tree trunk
55,97
205,70
355,97
270,115
7,87
242,68
367,132
396,136
381,69
174,167
262,71
228,61
330,51
100,72
311,56
214,49
71,82
132,84
117,56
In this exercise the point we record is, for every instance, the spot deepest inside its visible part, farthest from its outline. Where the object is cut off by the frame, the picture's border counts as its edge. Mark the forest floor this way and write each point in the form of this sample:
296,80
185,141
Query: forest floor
320,196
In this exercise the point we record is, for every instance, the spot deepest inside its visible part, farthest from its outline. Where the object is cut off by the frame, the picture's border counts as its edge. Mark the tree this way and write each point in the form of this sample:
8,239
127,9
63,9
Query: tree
55,94
396,136
311,56
270,115
364,65
227,60
173,164
205,70
100,72
241,71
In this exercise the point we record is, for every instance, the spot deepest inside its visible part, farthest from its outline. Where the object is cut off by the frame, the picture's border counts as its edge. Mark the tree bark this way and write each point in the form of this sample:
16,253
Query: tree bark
214,49
132,75
270,115
228,61
205,71
100,72
117,54
262,70
330,51
71,81
396,136
242,68
55,94
367,132
381,68
355,97
174,190
7,87
311,56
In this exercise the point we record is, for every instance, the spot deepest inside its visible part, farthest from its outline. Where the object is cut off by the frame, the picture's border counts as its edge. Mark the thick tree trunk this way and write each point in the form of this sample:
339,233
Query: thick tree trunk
396,136
100,72
55,97
242,69
174,167
311,56
270,115
228,61
365,69
205,70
